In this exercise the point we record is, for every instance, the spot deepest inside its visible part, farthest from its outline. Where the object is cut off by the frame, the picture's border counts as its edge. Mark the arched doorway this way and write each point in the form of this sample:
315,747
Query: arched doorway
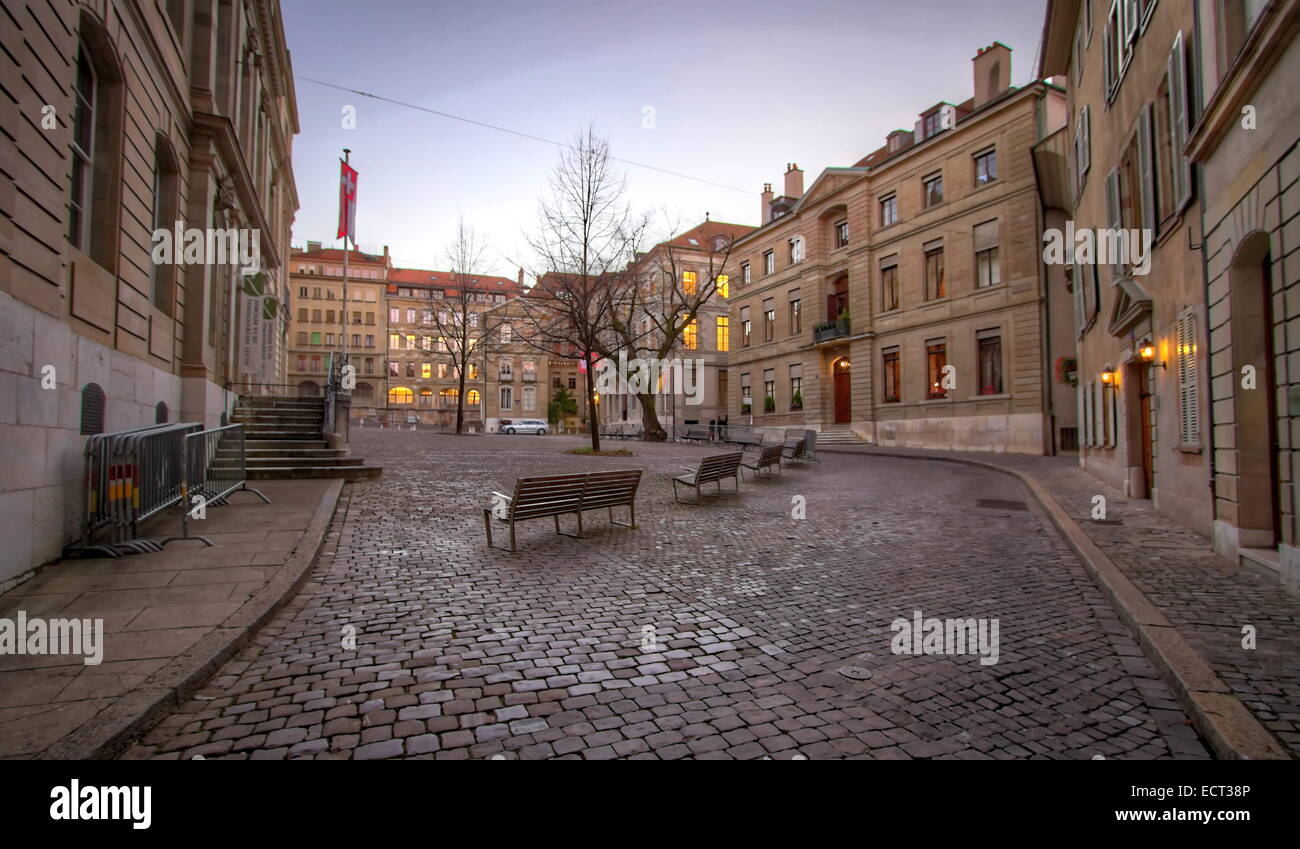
841,376
1250,283
308,389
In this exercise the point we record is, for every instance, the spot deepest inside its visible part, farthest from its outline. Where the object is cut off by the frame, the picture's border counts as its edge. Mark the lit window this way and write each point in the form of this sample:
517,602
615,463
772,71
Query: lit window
688,282
690,335
724,287
724,333
401,395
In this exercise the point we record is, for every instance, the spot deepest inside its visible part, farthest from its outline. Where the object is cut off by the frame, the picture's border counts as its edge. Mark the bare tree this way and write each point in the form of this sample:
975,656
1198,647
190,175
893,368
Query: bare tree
585,242
455,316
657,313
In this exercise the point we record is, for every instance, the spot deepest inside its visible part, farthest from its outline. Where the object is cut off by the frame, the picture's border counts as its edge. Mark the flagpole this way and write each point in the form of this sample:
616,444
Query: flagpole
348,235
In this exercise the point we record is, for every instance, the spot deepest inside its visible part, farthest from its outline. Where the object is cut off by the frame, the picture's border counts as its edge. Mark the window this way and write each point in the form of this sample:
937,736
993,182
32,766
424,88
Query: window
769,390
746,399
506,370
796,386
472,397
315,362
932,124
530,398
796,313
401,395
990,360
573,382
507,333
448,397
769,320
315,316
370,365
936,355
302,291
1189,411
987,268
1237,19
302,313
507,397
769,262
745,327
302,362
841,234
1179,120
329,339
329,316
690,335
724,286
986,167
744,272
315,338
935,284
1082,149
889,374
426,370
410,369
394,341
889,285
394,315
688,282
166,188
796,250
86,97
724,333
426,397
932,193
302,337
393,369
888,211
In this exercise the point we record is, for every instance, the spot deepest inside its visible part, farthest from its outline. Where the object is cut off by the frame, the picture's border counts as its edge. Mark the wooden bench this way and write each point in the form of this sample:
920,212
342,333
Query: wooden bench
560,495
745,437
696,434
797,452
712,469
769,458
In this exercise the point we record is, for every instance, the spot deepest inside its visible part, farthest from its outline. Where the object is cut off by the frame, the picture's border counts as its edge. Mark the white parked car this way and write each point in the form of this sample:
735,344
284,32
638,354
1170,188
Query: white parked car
536,426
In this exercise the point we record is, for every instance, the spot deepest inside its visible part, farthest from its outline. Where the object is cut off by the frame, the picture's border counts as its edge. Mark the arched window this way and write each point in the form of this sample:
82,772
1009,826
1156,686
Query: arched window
447,397
365,390
472,397
308,389
166,204
95,148
426,397
92,409
160,413
401,395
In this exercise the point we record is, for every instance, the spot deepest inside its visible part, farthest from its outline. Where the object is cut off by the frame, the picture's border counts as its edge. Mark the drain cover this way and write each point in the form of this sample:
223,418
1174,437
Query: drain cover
857,673
997,504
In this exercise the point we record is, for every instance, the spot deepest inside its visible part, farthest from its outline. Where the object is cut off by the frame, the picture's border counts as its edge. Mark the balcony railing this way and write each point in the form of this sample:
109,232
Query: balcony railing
829,330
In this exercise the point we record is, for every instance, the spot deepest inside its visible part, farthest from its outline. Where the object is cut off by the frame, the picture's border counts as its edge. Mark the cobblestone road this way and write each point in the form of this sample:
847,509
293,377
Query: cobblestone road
771,634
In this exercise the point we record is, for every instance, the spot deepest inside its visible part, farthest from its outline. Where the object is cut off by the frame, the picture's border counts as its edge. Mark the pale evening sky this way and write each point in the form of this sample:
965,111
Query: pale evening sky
739,88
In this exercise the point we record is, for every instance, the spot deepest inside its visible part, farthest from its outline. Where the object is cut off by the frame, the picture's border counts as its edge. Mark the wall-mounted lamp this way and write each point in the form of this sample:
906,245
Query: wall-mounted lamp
1147,351
1108,375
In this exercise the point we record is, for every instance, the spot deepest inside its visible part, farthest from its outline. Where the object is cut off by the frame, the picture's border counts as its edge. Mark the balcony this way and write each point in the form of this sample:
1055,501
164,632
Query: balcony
828,330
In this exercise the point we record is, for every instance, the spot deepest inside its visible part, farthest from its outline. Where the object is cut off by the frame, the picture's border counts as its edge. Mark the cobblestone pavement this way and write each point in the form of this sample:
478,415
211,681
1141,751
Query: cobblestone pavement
1208,598
728,630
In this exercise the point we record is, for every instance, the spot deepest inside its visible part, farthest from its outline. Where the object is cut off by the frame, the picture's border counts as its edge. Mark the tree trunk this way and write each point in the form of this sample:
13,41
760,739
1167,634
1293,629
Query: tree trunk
592,412
652,430
460,401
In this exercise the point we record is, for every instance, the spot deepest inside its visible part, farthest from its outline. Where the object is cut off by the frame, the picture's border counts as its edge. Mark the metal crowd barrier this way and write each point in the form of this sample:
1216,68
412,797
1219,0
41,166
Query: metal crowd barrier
132,475
216,467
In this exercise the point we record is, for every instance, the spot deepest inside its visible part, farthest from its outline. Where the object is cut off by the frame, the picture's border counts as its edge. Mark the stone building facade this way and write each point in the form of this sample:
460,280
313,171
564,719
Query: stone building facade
1246,141
120,120
901,300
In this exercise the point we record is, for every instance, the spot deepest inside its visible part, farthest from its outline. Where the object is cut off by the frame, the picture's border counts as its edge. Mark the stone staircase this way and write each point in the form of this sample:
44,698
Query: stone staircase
285,439
838,434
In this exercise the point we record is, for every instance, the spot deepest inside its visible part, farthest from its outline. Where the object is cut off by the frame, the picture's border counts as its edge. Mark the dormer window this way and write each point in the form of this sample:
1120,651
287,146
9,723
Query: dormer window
796,250
933,124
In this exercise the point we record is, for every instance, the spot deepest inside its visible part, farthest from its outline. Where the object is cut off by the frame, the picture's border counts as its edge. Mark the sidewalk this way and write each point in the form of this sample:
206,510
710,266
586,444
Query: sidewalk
1187,604
169,620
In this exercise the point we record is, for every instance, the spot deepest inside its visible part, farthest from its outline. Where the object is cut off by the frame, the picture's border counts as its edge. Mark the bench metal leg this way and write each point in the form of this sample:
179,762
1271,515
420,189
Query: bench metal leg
512,535
487,525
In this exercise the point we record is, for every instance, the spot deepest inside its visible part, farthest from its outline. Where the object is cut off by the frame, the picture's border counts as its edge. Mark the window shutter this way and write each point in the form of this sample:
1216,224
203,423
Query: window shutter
1087,138
1188,389
1132,15
1146,167
1179,120
1081,395
1087,414
1114,215
1108,57
1080,306
986,236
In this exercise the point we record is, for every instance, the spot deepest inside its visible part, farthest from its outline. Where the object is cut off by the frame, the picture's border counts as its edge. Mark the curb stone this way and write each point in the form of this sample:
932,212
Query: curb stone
1230,729
111,731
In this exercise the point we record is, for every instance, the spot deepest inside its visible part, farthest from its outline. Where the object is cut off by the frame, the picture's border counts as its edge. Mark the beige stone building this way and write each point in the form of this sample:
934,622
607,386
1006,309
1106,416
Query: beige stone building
1246,140
120,120
1143,364
901,300
669,275
320,319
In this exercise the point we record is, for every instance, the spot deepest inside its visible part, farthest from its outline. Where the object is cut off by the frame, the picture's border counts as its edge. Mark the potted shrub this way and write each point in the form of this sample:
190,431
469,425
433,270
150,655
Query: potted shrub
796,403
769,404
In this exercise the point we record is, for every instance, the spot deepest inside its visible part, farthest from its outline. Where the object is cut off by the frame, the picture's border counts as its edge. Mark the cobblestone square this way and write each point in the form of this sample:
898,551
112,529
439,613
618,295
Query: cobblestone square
730,630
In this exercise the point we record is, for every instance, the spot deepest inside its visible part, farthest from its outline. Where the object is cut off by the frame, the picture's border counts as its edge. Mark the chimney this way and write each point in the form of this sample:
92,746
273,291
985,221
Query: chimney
766,213
313,247
521,278
992,67
793,181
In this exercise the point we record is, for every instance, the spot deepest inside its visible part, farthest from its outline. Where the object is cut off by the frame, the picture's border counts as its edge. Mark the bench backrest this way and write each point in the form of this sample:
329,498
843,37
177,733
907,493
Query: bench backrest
798,449
719,466
547,496
611,489
771,455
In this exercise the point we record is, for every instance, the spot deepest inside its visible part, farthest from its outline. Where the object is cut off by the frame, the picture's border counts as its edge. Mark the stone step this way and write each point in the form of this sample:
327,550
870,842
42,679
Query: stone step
349,473
278,451
299,462
281,444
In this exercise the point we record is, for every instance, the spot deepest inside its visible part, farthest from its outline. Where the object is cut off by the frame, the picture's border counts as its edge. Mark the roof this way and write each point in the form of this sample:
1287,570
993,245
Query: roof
700,235
336,255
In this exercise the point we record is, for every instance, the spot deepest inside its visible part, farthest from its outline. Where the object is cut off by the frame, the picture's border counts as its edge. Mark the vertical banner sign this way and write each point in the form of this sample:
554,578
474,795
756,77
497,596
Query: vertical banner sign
347,203
258,331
